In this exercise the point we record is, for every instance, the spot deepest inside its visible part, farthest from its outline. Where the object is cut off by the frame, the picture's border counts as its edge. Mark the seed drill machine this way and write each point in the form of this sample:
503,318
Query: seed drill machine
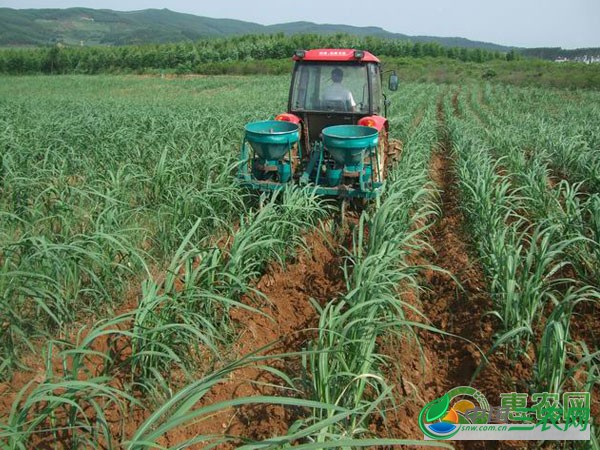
334,134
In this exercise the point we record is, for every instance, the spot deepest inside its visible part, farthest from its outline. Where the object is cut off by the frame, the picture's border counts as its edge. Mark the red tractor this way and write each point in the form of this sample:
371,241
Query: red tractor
335,133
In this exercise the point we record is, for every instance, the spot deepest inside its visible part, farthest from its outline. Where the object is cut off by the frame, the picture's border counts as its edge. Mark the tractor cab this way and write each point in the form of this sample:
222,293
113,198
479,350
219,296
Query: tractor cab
334,135
334,87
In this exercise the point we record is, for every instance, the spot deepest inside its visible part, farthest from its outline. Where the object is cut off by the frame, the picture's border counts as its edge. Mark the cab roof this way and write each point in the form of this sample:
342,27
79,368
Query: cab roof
334,54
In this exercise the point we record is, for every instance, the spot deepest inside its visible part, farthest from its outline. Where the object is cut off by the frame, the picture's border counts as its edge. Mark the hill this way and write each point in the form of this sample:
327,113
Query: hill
75,26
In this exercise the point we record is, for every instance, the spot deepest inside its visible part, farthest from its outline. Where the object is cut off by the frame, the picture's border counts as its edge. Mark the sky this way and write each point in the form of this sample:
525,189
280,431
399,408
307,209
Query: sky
521,23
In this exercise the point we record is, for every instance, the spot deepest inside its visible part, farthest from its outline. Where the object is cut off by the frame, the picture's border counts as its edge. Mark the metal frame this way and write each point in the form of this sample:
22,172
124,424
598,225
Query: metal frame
248,157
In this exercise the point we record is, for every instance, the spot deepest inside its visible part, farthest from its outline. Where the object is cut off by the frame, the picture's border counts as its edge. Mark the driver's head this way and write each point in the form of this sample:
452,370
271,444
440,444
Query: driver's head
337,75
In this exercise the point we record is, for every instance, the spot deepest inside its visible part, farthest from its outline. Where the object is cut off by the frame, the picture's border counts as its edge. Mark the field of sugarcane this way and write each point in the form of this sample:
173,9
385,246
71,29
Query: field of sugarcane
147,301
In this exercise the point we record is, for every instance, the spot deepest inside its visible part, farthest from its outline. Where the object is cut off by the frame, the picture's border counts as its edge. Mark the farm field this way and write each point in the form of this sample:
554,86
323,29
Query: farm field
149,302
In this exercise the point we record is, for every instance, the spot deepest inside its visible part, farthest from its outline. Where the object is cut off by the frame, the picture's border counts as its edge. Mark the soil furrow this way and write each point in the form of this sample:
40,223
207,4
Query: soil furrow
286,323
455,301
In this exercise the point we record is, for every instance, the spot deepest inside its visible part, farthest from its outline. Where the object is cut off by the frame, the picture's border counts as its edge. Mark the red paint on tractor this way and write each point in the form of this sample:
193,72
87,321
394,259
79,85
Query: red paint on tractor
287,117
335,55
376,122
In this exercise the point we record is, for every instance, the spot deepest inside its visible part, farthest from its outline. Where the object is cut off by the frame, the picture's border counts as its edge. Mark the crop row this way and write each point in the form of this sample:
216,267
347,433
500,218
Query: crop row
537,240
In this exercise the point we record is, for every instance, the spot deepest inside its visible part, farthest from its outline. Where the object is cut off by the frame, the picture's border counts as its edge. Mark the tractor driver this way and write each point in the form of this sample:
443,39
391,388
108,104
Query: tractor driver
337,94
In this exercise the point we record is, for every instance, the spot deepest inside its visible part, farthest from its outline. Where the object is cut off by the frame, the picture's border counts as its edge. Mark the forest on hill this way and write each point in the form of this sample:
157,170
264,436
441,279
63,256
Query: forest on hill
92,27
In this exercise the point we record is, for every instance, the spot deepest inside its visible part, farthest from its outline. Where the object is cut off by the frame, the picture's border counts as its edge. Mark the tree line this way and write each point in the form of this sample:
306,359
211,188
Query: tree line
190,57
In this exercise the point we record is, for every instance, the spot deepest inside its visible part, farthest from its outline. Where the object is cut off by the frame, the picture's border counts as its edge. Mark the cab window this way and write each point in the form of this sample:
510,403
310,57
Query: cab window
313,83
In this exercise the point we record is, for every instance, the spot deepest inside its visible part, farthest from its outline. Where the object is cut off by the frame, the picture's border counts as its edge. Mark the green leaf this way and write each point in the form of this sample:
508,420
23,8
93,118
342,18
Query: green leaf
437,408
